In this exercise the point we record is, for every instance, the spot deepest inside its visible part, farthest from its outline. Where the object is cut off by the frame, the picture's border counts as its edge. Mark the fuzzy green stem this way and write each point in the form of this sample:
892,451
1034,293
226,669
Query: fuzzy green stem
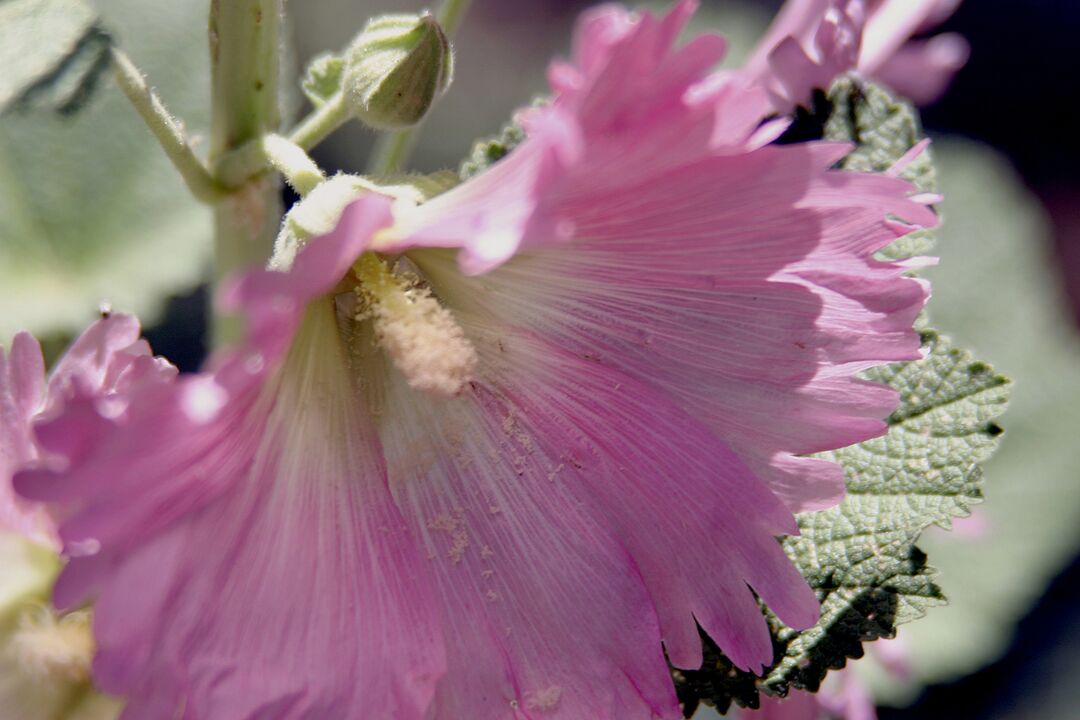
271,151
244,47
288,158
168,130
392,150
322,121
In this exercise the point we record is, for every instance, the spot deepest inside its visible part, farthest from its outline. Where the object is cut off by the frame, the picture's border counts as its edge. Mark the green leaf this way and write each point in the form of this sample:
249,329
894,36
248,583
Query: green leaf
488,151
882,127
91,210
861,556
322,78
52,51
883,130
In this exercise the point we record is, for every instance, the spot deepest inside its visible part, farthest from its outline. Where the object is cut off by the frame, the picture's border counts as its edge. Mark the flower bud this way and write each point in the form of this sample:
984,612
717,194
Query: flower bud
395,70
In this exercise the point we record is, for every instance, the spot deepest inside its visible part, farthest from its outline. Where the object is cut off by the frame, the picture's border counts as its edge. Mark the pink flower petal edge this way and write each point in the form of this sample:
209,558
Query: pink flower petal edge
102,366
811,42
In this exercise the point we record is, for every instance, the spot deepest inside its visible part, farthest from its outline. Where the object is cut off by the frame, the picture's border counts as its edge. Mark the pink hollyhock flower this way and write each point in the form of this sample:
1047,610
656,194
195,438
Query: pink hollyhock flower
45,655
413,493
813,41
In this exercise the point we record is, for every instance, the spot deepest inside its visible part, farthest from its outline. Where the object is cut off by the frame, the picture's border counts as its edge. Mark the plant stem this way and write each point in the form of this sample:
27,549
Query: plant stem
451,14
392,150
322,121
168,130
288,158
271,151
244,45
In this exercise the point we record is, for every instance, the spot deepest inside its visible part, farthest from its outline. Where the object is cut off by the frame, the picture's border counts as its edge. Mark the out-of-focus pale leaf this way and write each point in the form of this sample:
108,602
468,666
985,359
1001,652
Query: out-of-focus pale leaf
90,208
52,53
997,292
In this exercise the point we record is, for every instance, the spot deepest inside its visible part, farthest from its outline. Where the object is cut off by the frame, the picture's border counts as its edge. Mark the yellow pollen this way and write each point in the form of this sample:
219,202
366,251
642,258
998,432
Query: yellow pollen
421,337
52,647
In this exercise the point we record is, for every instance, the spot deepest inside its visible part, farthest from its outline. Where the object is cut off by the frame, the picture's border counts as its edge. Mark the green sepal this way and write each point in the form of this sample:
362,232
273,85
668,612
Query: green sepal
323,77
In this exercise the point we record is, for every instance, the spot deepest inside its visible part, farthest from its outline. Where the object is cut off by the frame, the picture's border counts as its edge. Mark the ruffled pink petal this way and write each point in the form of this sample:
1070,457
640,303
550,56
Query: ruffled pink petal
100,367
22,392
922,69
236,528
797,19
734,291
547,518
629,88
754,312
796,68
105,361
891,23
811,42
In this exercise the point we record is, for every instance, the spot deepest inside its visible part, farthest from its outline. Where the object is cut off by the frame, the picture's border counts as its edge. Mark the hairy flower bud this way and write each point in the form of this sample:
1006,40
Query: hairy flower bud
395,70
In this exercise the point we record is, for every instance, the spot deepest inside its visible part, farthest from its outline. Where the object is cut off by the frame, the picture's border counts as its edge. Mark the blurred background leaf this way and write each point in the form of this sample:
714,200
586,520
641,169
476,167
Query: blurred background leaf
91,211
995,290
53,53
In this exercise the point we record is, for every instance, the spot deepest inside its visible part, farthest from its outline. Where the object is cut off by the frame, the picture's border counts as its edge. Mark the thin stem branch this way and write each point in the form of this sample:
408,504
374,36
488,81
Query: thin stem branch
288,158
322,121
167,129
392,150
271,151
451,14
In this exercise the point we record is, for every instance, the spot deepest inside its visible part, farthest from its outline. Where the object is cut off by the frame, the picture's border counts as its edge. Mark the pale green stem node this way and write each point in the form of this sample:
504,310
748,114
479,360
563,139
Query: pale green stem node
288,158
